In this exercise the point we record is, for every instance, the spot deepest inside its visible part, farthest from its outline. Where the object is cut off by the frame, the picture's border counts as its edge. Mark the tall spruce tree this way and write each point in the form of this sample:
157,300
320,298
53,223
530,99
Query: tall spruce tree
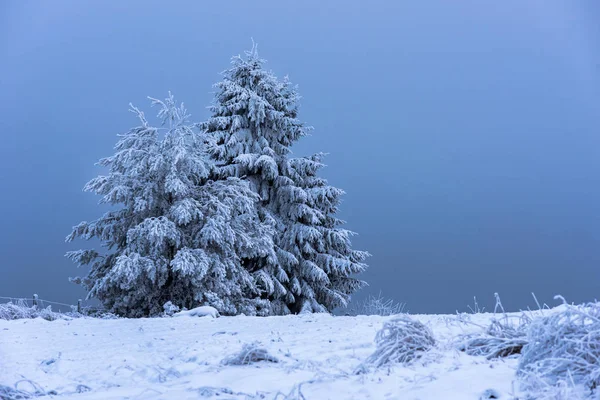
173,235
252,127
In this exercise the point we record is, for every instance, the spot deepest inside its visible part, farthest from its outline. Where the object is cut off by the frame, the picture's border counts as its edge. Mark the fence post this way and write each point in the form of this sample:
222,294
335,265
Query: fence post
35,301
79,306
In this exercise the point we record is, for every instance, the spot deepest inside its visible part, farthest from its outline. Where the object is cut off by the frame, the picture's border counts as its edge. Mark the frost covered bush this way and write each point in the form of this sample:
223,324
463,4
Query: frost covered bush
378,305
563,347
250,353
9,393
15,393
99,313
504,337
170,308
20,310
402,340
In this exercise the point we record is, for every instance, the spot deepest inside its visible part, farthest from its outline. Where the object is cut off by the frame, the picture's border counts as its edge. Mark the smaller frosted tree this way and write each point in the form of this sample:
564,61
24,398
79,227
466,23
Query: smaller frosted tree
174,235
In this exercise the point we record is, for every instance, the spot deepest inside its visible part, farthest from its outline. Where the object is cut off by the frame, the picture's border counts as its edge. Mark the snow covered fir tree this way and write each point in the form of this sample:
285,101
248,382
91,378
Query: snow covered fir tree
220,213
177,236
253,125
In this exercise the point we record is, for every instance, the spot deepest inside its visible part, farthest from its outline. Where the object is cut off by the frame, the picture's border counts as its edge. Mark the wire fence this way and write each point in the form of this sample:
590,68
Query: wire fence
35,301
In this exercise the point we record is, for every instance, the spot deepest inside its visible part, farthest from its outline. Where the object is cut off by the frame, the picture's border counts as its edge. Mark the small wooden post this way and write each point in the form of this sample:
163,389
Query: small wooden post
35,301
79,306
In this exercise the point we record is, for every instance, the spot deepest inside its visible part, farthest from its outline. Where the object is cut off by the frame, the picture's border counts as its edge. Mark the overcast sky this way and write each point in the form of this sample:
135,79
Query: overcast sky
465,133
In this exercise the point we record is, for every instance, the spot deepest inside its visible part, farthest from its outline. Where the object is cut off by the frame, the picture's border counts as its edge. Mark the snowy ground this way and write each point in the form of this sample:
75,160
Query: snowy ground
180,358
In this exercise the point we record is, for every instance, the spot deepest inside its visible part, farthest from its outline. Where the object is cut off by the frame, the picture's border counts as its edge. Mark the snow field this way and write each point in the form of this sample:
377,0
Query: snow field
181,358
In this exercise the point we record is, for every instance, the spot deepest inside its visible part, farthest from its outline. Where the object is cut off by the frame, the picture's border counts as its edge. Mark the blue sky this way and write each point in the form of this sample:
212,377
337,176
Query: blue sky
466,134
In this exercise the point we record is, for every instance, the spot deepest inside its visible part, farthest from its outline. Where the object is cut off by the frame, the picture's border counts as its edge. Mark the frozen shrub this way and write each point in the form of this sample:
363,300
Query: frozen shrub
9,393
503,338
378,305
563,347
170,308
250,353
402,340
20,310
14,393
49,315
100,313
